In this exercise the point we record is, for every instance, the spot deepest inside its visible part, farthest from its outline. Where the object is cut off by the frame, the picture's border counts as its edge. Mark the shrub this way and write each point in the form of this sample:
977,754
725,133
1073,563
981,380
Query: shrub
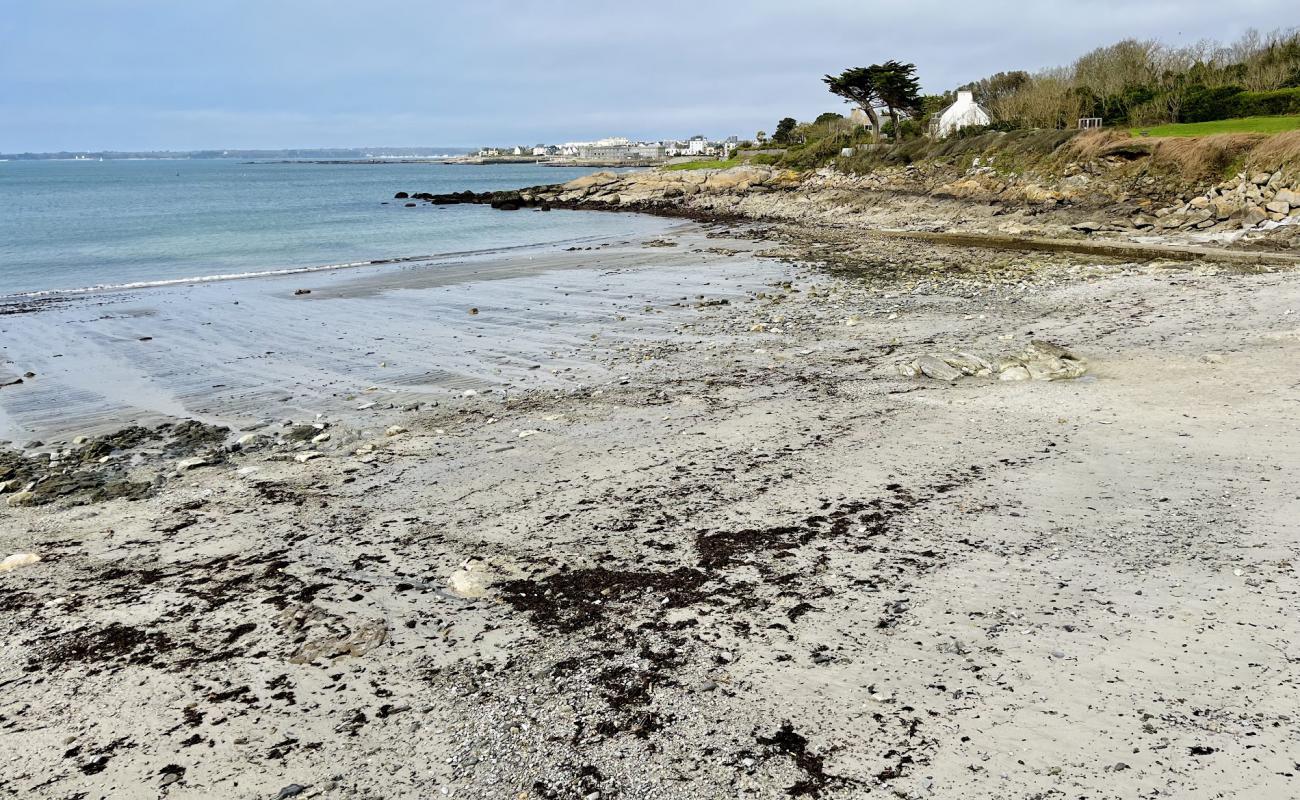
1274,103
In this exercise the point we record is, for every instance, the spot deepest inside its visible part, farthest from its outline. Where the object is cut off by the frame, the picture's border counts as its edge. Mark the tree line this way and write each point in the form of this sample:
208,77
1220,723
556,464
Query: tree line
1140,82
1134,82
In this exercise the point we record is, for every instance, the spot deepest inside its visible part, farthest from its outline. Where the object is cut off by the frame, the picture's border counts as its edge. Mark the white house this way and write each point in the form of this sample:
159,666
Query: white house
964,113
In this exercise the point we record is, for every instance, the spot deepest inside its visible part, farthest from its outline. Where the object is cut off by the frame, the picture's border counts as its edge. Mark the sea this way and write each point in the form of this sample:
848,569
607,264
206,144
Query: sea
75,225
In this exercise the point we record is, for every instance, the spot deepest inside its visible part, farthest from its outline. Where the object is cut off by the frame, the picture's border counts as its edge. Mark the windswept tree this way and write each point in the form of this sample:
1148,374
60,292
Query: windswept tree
784,130
858,86
898,88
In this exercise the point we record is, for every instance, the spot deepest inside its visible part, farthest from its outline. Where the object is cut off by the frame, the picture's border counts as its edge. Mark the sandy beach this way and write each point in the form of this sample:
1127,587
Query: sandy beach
726,539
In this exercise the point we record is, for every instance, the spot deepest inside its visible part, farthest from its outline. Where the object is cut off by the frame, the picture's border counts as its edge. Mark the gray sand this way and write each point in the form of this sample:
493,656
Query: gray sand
745,559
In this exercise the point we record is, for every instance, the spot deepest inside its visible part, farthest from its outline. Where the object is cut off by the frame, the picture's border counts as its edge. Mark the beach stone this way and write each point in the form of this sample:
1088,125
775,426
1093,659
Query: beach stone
294,789
1015,373
936,369
1291,198
471,581
9,485
1278,207
394,430
303,458
320,437
248,439
21,499
18,560
186,464
1253,216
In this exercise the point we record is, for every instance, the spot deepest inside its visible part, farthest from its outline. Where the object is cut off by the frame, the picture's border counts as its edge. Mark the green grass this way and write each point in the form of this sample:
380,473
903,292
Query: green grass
1242,125
735,162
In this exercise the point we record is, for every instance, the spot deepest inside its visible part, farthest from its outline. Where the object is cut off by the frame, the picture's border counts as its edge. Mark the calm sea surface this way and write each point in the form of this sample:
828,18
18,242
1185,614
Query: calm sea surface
77,224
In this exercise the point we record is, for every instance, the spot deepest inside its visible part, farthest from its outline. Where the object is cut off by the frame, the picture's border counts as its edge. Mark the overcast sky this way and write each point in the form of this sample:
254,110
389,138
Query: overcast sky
188,74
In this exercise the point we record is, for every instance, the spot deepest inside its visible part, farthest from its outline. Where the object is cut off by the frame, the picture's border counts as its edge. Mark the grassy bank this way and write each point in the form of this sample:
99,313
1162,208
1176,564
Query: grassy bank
1242,125
705,164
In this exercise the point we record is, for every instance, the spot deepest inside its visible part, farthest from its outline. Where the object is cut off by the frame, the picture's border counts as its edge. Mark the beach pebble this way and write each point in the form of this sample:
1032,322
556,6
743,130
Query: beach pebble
292,790
394,430
303,458
248,439
320,437
186,464
18,560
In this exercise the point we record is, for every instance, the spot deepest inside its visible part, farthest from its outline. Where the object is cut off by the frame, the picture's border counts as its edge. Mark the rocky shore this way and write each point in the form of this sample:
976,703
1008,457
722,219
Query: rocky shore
899,518
1096,190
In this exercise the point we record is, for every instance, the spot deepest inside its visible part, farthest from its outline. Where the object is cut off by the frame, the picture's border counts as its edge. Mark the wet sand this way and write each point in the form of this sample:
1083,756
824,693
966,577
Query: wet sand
244,351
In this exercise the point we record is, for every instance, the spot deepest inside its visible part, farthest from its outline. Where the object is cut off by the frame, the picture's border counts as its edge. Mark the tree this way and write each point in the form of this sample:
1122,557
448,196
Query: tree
898,88
761,137
858,86
784,129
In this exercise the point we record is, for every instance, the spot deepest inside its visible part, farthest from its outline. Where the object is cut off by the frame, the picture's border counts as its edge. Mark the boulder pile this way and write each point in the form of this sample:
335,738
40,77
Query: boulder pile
1247,201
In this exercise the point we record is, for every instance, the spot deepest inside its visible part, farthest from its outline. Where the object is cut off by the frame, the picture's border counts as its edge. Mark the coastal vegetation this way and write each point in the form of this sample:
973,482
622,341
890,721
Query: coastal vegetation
1145,82
1241,125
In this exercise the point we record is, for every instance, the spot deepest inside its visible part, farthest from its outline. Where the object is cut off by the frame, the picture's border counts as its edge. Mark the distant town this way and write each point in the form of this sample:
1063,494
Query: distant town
615,149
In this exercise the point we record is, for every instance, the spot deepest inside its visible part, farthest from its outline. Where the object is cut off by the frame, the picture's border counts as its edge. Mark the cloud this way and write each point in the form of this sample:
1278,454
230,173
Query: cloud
134,74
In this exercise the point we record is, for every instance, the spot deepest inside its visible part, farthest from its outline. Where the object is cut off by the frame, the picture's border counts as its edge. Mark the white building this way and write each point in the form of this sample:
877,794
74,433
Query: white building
964,113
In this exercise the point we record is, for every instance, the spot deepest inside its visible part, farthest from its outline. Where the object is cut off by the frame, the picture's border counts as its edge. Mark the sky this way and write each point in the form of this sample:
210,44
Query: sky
199,74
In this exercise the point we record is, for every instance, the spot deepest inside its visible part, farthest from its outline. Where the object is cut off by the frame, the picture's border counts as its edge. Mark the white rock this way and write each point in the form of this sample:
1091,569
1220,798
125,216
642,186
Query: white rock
320,437
472,580
247,439
394,430
303,458
20,499
18,560
186,464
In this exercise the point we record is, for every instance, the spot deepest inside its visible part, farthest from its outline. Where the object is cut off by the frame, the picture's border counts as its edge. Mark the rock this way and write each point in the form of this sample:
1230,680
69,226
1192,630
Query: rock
304,457
471,581
357,640
968,363
21,499
186,464
1278,207
302,291
1224,209
1260,178
1016,373
401,196
320,437
294,789
9,485
80,440
394,430
1087,227
1253,216
248,439
1291,198
936,368
18,560
1199,202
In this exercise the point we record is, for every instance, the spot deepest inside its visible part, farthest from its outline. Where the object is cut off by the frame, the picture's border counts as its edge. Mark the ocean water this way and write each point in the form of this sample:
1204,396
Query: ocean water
67,225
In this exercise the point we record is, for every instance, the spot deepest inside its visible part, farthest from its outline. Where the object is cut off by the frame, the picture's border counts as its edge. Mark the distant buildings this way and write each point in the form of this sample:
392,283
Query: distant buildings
618,149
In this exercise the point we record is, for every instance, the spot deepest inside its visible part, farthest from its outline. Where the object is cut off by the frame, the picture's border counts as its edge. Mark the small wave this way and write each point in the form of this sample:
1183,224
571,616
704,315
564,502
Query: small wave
273,273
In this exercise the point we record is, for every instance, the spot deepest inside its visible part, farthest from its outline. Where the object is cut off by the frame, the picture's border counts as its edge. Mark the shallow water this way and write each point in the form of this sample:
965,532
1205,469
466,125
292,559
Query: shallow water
75,224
